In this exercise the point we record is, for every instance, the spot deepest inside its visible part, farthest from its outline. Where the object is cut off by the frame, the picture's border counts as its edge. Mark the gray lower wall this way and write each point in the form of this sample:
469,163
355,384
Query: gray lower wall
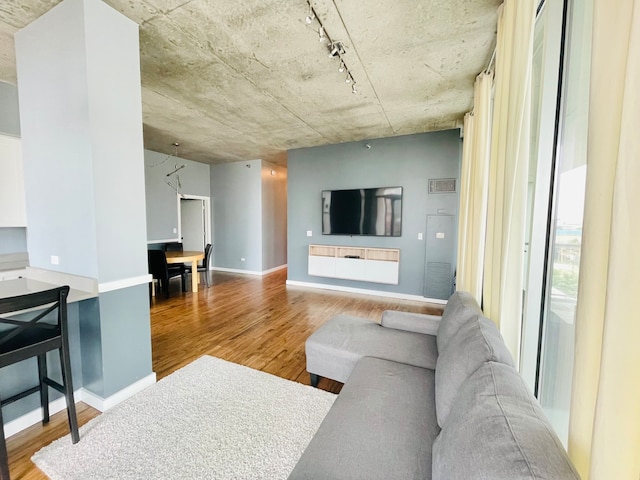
161,199
406,161
115,331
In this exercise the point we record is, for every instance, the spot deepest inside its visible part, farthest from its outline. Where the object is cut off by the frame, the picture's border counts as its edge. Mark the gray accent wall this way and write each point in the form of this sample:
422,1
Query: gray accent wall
236,191
406,161
9,116
161,199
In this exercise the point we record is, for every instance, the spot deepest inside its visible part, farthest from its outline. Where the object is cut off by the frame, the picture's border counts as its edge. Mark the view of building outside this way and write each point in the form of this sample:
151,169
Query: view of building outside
559,315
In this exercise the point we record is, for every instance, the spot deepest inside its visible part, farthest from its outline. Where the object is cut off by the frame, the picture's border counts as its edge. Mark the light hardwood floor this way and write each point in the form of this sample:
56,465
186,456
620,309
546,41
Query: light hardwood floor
254,321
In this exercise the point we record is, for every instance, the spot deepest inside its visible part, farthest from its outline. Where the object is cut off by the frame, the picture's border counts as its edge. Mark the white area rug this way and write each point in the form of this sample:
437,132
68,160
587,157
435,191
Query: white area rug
210,419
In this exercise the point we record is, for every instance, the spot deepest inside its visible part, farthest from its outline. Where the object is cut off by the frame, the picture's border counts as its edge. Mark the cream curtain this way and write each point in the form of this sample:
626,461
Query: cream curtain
474,188
604,427
504,251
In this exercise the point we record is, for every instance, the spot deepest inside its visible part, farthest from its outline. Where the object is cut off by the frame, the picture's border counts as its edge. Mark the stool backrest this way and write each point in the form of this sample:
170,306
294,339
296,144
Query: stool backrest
29,327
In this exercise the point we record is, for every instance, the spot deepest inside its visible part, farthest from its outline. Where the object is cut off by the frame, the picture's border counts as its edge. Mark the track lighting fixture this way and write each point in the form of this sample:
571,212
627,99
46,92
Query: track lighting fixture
336,48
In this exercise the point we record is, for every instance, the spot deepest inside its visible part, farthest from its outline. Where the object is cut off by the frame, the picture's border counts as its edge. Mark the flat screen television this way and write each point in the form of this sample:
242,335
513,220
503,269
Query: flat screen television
362,211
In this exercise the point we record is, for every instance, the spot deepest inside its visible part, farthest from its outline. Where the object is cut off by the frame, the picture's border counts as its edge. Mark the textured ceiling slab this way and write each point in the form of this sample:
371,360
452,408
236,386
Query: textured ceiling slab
245,80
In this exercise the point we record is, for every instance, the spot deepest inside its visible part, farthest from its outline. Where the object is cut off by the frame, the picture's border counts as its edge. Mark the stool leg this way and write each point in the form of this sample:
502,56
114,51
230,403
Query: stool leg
4,458
65,362
44,389
314,379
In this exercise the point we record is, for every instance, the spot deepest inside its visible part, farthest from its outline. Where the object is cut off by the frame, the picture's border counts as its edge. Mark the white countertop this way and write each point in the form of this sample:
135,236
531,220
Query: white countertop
22,286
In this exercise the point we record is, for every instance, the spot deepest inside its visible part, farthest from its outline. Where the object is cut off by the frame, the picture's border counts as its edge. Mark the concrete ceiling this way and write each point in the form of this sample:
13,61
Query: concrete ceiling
238,80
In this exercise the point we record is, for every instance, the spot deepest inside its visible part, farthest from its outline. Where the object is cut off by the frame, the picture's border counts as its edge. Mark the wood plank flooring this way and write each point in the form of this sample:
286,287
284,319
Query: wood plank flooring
254,321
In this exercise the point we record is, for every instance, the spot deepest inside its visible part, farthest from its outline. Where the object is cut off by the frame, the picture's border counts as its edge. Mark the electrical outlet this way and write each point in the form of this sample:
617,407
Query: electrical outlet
55,260
420,236
242,259
175,230
309,233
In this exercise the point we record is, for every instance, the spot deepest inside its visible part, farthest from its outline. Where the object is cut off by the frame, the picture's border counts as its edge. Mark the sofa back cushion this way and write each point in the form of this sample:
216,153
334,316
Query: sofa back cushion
476,342
497,430
460,308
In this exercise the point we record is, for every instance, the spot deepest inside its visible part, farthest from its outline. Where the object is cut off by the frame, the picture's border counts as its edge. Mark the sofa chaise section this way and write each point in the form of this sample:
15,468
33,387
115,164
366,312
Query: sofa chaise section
381,426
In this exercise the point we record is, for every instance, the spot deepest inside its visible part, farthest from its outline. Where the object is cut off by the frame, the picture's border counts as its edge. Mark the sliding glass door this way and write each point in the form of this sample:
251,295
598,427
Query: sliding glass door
557,184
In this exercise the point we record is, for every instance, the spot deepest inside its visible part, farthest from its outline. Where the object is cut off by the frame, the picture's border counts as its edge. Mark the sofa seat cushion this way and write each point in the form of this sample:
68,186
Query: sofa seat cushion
381,426
476,342
460,307
335,348
496,430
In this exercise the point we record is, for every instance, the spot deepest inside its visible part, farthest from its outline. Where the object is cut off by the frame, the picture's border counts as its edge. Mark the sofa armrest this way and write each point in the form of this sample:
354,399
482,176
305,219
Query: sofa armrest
410,322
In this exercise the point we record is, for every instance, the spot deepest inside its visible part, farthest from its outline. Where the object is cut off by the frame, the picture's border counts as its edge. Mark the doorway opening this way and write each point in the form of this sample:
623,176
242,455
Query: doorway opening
194,221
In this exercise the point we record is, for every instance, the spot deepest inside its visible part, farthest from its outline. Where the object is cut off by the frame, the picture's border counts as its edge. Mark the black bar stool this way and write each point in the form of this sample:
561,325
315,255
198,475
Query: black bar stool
26,336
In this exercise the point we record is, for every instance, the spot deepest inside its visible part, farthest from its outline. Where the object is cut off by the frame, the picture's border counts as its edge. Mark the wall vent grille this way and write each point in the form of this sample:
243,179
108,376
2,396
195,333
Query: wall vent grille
442,185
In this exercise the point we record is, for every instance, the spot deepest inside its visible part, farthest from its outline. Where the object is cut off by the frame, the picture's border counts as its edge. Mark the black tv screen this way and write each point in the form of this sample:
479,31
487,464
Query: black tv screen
362,211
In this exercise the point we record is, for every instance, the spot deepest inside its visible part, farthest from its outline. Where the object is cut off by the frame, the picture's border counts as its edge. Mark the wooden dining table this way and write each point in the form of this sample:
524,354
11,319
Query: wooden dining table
187,256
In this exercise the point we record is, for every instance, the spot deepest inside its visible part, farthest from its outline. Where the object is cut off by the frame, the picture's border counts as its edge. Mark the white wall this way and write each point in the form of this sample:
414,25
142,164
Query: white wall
81,124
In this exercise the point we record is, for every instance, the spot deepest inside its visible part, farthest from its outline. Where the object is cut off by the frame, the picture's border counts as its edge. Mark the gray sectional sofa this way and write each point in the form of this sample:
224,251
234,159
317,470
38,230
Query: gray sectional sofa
426,397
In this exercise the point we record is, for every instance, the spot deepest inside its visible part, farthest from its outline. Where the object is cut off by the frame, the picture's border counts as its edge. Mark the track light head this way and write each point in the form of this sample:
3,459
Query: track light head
341,68
321,35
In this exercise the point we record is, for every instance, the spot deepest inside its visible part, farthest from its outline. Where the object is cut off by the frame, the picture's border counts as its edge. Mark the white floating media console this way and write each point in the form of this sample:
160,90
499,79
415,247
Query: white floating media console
379,265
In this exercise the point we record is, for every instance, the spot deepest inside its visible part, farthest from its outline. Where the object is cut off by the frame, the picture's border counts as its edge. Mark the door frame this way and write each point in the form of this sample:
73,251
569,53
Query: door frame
207,214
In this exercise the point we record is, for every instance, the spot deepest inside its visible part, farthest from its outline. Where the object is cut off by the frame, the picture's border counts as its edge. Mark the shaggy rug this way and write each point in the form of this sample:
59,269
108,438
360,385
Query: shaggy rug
209,420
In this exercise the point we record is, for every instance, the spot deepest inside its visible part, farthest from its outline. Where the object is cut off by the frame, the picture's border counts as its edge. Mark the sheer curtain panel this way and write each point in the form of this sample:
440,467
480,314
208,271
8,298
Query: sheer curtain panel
604,426
506,211
474,188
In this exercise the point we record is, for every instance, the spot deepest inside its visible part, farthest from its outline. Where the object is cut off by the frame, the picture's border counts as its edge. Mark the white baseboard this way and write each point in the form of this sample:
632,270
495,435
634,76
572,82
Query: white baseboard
35,416
81,395
337,288
248,272
274,269
104,404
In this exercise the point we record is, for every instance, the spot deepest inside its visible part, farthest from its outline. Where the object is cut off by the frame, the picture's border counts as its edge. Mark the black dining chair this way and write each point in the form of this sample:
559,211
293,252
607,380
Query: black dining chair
204,266
173,247
159,270
29,330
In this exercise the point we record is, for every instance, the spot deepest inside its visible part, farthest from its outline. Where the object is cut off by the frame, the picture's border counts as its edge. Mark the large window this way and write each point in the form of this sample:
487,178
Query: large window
556,195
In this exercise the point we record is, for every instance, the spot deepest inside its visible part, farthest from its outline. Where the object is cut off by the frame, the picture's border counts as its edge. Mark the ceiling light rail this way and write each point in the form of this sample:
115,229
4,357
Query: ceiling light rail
336,48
